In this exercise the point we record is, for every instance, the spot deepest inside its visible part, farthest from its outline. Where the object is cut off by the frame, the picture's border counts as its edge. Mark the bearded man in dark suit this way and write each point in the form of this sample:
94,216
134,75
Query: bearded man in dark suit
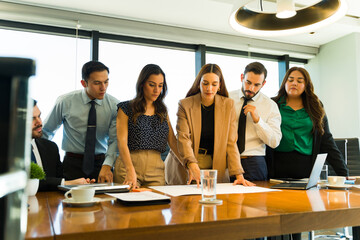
45,153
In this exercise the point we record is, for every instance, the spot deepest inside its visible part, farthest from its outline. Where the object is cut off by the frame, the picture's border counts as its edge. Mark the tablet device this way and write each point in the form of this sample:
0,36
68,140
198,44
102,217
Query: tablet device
100,187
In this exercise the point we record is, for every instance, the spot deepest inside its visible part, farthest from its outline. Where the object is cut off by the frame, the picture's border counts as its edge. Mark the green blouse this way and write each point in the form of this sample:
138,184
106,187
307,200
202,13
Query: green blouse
296,128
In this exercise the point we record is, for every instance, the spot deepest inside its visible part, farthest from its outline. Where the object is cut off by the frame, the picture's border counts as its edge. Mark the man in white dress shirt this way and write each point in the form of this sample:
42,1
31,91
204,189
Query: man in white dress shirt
261,118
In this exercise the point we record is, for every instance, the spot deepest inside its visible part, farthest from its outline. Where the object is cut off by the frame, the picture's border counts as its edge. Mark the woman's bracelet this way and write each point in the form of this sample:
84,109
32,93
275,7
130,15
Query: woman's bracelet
187,164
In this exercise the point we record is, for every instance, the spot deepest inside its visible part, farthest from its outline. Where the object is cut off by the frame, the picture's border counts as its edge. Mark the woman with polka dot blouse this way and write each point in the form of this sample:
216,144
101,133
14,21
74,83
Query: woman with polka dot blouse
143,131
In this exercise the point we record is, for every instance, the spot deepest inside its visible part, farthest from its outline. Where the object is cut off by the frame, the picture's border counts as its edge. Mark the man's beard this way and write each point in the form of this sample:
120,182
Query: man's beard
247,91
37,134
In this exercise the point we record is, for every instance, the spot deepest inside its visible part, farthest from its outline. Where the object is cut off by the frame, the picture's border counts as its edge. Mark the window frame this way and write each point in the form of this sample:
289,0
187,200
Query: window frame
200,49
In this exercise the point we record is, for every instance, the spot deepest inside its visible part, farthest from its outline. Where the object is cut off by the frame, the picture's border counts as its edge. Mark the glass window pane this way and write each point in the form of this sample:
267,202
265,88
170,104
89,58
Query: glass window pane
58,64
125,62
232,67
296,65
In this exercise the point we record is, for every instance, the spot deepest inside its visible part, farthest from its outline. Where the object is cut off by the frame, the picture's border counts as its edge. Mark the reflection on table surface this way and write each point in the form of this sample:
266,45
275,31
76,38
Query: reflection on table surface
240,215
38,222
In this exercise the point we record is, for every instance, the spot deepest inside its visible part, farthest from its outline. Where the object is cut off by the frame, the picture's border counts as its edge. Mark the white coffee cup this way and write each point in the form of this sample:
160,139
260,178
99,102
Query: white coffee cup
81,194
336,180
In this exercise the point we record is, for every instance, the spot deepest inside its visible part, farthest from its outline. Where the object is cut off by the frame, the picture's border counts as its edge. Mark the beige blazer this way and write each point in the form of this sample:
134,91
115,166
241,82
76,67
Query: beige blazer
226,154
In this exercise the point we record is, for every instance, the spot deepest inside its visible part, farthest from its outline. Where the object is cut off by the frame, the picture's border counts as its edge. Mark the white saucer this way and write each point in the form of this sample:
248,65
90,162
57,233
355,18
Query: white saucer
71,202
343,186
215,201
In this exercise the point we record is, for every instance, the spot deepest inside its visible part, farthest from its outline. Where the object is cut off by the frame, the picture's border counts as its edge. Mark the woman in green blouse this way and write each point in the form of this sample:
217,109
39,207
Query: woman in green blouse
305,130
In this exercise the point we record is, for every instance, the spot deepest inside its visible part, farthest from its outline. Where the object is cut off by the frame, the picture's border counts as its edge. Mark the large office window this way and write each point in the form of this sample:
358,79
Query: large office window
126,61
233,66
296,65
58,64
59,60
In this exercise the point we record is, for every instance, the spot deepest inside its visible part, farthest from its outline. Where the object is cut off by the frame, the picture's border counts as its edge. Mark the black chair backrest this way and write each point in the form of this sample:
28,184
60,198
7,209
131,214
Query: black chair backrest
350,149
341,143
353,156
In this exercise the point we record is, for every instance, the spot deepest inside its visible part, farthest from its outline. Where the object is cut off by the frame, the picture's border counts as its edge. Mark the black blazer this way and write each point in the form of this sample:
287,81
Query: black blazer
52,165
326,144
321,144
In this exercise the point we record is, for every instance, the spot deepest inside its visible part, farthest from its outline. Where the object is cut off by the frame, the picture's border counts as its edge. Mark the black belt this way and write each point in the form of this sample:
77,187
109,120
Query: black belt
81,156
204,151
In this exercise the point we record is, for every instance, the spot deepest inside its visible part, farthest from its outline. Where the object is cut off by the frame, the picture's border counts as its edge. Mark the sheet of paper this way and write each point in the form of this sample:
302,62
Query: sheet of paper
139,196
221,188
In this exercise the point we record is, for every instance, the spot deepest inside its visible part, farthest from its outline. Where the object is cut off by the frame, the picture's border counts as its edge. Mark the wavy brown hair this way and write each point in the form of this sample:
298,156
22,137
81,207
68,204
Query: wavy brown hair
138,103
310,101
208,68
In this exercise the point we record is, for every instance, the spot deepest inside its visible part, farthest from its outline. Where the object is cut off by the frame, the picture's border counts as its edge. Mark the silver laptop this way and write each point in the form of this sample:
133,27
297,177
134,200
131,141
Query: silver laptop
100,187
313,179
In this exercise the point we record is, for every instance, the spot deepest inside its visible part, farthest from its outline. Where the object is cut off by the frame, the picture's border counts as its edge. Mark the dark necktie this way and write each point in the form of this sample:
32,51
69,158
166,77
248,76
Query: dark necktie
33,158
242,128
89,155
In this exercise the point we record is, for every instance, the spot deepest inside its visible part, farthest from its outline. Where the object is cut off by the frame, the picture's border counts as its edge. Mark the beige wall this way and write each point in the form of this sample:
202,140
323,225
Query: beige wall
336,75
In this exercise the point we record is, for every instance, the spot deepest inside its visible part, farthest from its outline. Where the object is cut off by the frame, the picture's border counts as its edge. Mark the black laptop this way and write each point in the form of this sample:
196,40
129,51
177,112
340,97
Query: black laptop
100,187
313,179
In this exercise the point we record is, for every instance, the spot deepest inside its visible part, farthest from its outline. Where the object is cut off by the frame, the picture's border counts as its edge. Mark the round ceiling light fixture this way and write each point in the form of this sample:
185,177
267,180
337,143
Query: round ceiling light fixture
306,19
285,9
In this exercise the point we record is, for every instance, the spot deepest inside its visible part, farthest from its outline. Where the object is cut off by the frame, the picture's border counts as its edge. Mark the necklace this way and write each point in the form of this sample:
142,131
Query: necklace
207,108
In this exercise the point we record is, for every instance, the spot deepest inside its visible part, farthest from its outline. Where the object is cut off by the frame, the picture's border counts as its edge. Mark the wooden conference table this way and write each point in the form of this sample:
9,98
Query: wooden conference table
240,216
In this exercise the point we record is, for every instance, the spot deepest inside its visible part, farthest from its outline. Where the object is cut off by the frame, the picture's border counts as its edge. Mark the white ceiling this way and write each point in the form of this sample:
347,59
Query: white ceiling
205,15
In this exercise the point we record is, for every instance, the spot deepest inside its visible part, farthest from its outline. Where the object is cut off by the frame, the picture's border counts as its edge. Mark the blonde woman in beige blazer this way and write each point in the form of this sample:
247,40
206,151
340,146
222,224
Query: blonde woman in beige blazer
217,131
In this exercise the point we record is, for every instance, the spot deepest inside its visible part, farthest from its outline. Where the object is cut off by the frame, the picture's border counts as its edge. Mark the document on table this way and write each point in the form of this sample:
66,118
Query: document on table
141,198
221,188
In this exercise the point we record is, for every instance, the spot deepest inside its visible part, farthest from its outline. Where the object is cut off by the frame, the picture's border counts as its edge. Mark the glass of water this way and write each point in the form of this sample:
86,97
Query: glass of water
324,174
208,186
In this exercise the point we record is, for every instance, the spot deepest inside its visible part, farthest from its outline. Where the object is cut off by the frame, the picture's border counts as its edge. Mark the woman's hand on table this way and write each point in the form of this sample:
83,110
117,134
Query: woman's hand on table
131,178
242,181
194,173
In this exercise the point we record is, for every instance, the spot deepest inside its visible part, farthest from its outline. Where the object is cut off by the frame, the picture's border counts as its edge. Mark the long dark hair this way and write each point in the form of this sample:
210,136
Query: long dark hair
208,68
310,101
138,103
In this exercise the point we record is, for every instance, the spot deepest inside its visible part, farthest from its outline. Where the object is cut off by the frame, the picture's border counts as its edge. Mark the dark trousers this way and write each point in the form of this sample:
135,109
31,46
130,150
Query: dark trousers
356,233
255,168
72,167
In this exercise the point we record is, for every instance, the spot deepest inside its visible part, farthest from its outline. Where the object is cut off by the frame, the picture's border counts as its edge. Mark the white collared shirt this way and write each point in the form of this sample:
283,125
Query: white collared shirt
266,131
